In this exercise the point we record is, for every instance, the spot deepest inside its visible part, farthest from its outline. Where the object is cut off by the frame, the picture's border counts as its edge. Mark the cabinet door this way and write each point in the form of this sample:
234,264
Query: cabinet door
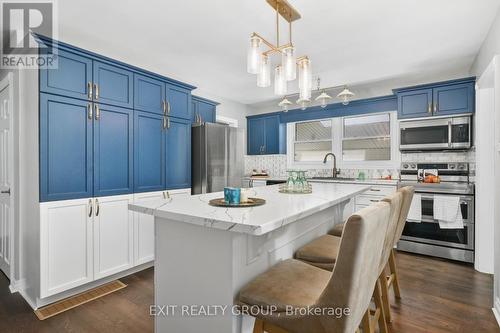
71,78
415,103
114,85
149,94
454,99
178,154
65,148
272,135
113,149
65,245
179,102
194,112
149,157
255,136
207,112
144,229
113,235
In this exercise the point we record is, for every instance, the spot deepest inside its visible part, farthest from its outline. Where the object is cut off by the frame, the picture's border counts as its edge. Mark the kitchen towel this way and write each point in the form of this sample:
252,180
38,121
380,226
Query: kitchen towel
447,212
415,213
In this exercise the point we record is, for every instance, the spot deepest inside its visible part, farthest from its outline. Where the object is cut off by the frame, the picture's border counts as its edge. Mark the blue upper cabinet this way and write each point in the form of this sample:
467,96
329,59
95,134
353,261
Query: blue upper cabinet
149,94
178,153
454,99
255,136
179,102
72,78
113,144
415,103
66,152
149,156
265,135
204,110
113,85
438,99
272,135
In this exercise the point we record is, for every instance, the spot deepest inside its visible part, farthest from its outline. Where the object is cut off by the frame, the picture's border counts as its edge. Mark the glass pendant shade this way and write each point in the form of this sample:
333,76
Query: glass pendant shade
345,96
254,55
323,98
264,75
280,84
305,79
285,104
303,103
289,62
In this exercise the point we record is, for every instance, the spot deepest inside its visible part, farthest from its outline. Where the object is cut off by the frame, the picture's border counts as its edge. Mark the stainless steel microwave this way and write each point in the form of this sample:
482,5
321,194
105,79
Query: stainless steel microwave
436,133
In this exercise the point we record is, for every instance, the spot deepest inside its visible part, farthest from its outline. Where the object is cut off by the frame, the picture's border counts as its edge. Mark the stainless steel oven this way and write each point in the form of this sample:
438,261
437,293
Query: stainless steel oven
436,134
426,236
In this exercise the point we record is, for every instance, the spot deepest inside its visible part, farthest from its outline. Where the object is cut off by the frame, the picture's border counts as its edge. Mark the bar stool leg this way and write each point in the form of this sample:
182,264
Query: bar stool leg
379,304
365,322
394,273
258,327
385,296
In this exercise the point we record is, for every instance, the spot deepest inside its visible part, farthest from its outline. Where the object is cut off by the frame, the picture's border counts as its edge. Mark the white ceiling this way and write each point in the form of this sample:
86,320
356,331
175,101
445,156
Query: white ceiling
204,43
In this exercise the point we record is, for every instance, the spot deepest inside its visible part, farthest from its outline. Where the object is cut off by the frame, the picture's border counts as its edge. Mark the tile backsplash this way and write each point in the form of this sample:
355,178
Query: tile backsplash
276,165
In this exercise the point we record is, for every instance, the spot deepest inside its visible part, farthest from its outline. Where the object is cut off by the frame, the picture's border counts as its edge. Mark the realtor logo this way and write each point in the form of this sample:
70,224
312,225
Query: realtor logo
21,23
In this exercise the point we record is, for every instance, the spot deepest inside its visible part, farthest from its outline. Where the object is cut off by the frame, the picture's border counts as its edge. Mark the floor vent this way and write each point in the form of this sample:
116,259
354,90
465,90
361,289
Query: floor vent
74,301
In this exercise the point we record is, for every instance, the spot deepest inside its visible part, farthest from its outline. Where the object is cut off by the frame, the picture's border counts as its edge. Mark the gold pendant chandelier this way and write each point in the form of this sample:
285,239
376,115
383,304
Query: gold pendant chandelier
259,62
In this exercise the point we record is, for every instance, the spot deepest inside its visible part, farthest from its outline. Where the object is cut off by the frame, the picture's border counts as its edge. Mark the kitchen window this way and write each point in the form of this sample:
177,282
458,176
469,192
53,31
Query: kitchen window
364,141
312,140
367,138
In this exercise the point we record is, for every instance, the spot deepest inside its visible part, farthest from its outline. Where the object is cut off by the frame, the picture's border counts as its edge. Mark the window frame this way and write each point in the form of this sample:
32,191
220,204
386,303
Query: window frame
337,140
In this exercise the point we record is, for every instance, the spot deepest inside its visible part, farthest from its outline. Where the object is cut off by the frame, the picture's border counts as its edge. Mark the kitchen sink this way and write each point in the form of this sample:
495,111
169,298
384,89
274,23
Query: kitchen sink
336,178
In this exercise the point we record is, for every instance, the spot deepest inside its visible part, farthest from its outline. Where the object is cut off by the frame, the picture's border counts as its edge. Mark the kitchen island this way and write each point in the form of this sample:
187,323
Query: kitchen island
205,254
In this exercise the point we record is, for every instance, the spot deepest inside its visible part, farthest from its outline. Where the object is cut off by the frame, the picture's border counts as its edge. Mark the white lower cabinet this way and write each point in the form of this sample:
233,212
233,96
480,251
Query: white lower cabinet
144,229
85,240
66,245
113,235
373,195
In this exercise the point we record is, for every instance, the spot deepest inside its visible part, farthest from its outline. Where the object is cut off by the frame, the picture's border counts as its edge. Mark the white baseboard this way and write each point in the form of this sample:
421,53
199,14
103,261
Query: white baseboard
496,310
17,285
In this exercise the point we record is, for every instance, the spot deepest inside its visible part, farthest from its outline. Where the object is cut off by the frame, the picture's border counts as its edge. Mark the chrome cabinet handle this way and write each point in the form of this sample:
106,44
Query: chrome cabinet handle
89,113
97,207
7,191
429,108
91,207
374,190
164,195
372,200
168,122
96,89
89,88
435,108
164,126
164,108
168,107
97,112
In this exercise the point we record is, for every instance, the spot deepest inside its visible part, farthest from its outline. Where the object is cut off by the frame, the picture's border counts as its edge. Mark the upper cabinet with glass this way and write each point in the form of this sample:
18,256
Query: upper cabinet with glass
437,99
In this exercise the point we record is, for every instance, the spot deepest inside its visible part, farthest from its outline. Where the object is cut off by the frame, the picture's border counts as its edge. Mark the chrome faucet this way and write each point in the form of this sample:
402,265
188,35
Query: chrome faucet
335,171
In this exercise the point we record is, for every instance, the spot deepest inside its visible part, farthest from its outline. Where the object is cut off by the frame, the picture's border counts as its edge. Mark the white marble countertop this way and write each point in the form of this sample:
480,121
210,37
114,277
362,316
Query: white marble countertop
389,182
280,209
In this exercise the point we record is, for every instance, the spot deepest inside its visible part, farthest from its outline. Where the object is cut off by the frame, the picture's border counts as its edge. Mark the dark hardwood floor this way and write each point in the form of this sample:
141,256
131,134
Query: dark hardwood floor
437,296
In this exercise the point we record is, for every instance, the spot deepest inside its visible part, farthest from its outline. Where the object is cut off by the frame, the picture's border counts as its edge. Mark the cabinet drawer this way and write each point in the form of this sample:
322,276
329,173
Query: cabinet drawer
366,200
380,190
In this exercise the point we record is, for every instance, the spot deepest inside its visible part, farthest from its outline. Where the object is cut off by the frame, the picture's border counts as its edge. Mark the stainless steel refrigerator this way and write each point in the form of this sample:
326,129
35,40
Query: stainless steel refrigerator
217,157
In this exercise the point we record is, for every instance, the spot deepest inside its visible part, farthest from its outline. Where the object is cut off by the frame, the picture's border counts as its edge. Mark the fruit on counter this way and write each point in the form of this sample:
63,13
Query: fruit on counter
432,179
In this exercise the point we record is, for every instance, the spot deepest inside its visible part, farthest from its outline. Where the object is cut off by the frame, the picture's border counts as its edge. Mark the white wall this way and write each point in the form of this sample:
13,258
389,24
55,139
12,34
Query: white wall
489,48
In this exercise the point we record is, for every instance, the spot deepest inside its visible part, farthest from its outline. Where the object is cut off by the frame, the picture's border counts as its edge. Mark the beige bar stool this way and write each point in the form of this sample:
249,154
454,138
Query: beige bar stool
324,249
295,285
392,278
